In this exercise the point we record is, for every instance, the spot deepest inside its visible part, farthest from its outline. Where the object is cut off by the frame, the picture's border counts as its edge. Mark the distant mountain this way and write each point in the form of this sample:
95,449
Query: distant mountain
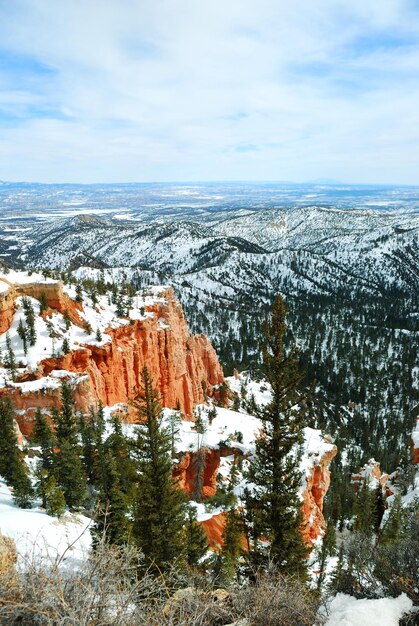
296,249
349,274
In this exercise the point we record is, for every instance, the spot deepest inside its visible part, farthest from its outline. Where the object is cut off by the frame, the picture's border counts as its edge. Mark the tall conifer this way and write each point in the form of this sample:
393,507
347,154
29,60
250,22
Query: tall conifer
12,466
275,466
68,467
159,514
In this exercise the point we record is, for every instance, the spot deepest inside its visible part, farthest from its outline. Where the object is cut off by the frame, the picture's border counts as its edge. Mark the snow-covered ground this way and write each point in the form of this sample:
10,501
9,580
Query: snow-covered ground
345,610
52,331
39,536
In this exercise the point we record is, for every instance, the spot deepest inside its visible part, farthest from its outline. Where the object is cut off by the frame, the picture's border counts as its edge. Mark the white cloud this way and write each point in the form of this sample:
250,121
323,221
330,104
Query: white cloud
184,89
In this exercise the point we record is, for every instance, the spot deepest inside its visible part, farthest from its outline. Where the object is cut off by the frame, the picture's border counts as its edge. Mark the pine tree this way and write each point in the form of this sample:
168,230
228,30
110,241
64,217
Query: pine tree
327,548
54,498
195,539
66,346
119,447
9,359
174,423
111,520
364,509
12,466
43,303
30,320
393,527
159,514
42,436
275,466
68,467
22,332
79,293
232,545
67,319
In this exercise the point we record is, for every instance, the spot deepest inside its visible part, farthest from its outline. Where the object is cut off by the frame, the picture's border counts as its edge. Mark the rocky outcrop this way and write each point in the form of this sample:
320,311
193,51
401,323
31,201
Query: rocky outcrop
7,306
214,528
317,484
53,291
186,472
111,373
372,474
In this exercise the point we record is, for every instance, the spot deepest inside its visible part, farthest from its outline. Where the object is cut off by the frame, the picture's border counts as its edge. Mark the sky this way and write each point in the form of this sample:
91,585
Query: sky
194,90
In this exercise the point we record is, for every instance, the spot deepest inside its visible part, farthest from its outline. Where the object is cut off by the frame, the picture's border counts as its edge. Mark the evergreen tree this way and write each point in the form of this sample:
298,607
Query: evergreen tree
43,303
327,549
12,466
67,319
364,509
66,346
9,359
119,447
392,530
232,545
79,293
174,422
30,320
21,331
42,435
68,467
275,466
159,514
54,498
111,520
195,539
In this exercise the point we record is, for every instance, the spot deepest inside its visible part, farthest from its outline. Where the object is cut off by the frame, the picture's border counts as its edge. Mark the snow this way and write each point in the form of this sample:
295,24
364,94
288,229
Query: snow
226,425
415,435
26,278
40,536
348,611
53,381
51,332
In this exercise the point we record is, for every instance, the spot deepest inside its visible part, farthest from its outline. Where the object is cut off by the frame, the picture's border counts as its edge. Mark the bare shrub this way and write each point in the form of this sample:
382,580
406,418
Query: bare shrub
113,587
277,601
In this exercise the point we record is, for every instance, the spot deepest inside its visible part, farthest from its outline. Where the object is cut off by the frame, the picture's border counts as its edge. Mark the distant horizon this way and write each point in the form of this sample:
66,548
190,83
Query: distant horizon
211,182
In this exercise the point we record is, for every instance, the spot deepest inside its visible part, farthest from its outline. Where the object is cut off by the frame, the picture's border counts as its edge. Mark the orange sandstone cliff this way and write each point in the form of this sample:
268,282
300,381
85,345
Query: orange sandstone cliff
317,482
180,364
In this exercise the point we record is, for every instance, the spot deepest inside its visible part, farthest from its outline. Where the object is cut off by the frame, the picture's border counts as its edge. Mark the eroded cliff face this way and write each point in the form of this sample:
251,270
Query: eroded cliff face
186,472
53,290
179,363
316,487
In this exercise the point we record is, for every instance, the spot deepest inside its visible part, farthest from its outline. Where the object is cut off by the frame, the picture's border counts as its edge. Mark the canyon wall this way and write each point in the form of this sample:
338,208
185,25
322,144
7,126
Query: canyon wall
181,365
317,483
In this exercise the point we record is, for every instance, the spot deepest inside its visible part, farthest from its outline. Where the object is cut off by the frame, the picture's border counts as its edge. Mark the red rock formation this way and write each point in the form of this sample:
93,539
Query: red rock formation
56,298
185,472
372,472
317,484
177,361
7,306
214,527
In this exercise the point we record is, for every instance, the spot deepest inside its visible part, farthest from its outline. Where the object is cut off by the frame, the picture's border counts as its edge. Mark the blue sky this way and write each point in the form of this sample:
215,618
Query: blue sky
166,90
